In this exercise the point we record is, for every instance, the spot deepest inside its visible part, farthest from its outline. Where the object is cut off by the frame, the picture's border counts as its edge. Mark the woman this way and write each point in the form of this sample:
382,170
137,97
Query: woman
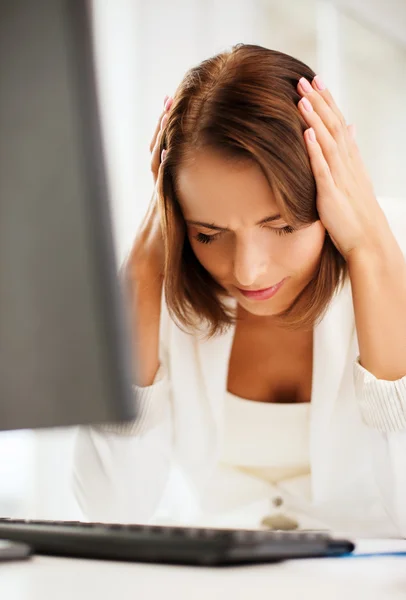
275,366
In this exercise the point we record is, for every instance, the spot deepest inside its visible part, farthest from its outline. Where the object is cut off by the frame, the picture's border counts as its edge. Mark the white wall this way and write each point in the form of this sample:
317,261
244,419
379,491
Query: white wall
144,48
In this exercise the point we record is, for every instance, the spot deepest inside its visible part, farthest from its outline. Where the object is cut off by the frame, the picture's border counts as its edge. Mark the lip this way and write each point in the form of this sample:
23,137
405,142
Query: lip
264,294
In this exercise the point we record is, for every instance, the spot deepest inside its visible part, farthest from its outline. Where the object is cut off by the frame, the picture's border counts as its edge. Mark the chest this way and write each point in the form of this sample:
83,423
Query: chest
271,365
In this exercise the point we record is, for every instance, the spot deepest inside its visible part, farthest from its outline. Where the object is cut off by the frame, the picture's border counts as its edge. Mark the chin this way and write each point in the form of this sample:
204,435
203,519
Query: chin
261,309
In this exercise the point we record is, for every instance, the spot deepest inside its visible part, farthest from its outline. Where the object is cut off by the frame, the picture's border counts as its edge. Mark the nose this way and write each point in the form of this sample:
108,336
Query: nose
250,262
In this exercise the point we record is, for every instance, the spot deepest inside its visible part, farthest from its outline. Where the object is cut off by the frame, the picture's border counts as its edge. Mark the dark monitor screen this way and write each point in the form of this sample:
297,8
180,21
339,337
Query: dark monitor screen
64,352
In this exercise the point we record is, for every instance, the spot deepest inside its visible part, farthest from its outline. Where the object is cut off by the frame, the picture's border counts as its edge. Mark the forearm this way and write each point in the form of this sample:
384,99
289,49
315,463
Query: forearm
121,478
378,281
145,308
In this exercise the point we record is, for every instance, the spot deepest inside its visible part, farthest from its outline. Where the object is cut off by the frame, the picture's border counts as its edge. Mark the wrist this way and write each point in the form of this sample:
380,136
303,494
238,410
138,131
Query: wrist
381,253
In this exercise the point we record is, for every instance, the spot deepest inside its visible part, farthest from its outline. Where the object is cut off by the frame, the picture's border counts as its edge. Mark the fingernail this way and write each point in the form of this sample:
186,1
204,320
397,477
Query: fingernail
311,134
306,104
305,85
166,98
164,121
319,83
168,103
163,154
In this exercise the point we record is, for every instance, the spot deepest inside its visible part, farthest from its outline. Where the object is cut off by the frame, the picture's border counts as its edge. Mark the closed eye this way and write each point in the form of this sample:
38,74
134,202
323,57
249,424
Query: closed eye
283,230
203,238
206,239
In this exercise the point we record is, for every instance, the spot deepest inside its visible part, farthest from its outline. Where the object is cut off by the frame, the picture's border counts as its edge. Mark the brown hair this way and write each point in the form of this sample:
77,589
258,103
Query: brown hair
243,103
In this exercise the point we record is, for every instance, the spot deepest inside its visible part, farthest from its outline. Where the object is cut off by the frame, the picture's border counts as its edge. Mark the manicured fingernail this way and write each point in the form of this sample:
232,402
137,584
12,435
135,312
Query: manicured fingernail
311,134
306,104
168,103
164,121
305,85
165,100
319,83
163,154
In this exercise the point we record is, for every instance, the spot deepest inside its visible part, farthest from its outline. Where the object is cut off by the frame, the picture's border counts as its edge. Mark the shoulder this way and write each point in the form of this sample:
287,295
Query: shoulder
395,212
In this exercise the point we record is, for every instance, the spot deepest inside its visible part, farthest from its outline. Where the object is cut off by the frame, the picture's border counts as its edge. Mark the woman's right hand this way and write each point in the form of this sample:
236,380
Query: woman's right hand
147,255
144,275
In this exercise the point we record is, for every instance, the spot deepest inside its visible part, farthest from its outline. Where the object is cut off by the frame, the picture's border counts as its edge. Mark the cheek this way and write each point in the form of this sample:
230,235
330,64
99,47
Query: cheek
210,257
305,249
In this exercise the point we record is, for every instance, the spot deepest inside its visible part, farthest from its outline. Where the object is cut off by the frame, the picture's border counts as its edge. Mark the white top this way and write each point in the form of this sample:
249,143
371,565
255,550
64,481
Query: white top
267,440
127,472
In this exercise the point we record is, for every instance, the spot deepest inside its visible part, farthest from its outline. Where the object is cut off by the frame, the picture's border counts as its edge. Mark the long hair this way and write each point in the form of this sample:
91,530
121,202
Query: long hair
243,104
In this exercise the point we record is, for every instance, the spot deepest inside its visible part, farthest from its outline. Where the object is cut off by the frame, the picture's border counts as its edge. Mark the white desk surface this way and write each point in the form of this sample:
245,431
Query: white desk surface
43,578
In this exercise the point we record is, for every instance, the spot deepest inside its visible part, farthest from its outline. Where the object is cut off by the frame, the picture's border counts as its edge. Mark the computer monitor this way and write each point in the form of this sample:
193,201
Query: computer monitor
64,343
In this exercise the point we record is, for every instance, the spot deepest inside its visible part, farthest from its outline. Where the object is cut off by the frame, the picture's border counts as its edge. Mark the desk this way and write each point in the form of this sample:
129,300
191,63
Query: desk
43,578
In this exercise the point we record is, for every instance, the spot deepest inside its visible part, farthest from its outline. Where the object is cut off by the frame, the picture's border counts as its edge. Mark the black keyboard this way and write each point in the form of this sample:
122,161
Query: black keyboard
163,544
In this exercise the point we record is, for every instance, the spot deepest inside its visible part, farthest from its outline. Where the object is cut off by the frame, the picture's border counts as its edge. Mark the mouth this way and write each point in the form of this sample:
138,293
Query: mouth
263,294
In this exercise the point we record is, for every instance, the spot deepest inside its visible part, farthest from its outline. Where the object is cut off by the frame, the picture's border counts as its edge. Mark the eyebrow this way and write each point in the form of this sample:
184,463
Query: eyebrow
218,228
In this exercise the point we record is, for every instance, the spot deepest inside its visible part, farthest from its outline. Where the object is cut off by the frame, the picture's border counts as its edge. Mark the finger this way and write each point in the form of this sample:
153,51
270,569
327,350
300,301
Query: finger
167,105
356,158
156,132
159,200
333,122
320,167
154,206
352,132
156,157
353,147
329,147
319,85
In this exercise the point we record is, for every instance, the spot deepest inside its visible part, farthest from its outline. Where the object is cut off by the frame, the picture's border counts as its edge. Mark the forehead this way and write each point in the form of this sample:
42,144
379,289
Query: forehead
212,187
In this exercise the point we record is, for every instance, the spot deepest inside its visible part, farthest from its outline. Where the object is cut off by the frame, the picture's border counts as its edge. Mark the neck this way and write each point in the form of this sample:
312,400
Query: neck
268,321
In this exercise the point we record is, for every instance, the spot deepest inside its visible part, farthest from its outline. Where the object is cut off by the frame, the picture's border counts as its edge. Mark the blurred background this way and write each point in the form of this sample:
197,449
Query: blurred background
143,50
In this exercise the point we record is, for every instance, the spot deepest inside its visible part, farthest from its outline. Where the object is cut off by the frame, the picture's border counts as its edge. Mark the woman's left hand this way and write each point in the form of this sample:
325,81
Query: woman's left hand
346,200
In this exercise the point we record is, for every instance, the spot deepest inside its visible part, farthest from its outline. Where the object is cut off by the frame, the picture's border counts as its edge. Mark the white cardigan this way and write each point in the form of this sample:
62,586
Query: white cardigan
357,434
